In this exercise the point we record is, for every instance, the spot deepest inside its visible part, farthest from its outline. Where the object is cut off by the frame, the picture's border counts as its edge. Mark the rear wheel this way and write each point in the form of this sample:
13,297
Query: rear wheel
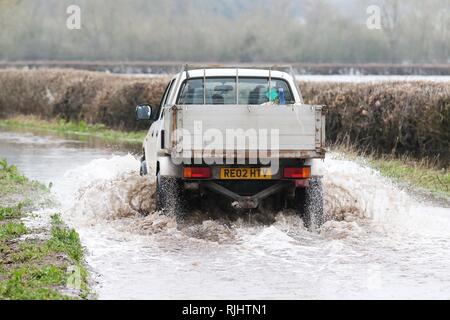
309,203
169,195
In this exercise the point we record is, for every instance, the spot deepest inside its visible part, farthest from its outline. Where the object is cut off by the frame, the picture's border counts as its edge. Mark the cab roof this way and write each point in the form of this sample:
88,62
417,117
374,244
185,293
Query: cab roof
233,71
238,71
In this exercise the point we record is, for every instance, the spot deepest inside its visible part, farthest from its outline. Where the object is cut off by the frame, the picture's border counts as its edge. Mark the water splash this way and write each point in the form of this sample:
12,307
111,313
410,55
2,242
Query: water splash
379,242
371,245
111,189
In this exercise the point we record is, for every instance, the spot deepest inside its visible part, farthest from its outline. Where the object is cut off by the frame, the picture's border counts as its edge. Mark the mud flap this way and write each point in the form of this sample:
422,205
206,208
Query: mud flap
309,203
169,195
143,168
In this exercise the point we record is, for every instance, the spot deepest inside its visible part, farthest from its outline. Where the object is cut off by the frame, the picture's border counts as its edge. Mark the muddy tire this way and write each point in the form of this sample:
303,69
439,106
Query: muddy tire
169,195
309,204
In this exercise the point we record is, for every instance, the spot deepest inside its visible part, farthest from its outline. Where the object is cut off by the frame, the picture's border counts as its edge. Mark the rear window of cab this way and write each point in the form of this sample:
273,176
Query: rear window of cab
222,90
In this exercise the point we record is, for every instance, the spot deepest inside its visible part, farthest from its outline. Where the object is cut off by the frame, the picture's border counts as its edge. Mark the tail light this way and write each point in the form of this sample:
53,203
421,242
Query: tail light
197,172
297,173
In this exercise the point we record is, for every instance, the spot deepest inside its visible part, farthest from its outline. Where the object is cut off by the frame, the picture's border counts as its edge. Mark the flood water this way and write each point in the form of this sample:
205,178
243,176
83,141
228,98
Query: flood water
380,242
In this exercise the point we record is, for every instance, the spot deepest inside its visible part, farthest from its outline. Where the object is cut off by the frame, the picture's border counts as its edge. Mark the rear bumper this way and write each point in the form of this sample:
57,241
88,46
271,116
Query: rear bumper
247,201
247,194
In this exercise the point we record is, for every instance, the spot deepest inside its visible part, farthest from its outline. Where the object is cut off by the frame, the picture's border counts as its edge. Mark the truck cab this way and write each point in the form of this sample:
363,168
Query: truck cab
242,135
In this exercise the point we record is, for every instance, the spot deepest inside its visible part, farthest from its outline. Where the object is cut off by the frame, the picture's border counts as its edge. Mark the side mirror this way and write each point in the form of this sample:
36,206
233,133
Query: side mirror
143,112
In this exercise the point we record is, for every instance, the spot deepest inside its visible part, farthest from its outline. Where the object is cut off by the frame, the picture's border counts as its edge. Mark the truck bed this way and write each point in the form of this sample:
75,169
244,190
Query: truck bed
301,129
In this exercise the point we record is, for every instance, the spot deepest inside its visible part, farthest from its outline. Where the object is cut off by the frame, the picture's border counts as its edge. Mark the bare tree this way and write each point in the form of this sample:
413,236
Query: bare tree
391,26
226,30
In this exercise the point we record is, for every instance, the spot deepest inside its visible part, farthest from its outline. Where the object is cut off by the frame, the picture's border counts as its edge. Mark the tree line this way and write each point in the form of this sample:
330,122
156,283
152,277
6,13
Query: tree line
331,31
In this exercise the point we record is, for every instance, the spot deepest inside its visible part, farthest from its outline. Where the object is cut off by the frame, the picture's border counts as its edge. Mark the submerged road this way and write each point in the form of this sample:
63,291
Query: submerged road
381,243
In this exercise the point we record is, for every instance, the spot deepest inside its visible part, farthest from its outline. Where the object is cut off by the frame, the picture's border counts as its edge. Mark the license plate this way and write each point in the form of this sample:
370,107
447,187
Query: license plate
245,173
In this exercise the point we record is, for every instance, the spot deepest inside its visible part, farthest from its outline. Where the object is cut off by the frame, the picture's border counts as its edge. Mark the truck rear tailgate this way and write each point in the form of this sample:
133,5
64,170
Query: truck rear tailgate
300,128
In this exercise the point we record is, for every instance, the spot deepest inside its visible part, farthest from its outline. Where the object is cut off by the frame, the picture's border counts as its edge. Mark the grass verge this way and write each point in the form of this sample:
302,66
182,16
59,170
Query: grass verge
424,174
415,173
15,185
44,263
69,127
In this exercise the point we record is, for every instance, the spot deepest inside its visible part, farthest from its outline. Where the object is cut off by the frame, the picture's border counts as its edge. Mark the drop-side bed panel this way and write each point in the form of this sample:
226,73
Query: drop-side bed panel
287,131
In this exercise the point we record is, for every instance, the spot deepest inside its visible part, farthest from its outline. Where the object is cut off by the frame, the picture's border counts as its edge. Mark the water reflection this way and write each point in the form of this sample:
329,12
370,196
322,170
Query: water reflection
44,156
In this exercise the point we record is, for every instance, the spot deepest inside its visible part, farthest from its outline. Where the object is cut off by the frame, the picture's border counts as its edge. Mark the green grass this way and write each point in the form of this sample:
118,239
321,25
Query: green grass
416,174
35,269
65,240
28,252
34,283
424,174
13,182
9,172
76,128
11,212
11,230
32,268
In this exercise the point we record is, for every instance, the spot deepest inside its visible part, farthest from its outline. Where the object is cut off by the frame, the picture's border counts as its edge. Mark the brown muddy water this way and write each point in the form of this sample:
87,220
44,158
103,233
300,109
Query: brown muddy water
380,242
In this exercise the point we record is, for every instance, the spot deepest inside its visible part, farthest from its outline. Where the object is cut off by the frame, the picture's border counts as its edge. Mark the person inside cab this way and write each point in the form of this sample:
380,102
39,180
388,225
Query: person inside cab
217,99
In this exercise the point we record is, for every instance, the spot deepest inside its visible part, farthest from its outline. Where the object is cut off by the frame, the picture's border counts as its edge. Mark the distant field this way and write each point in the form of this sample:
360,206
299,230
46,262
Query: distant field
387,118
353,78
168,67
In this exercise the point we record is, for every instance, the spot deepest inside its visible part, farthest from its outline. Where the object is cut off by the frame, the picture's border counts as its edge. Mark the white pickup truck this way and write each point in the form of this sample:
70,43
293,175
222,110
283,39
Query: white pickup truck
241,137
